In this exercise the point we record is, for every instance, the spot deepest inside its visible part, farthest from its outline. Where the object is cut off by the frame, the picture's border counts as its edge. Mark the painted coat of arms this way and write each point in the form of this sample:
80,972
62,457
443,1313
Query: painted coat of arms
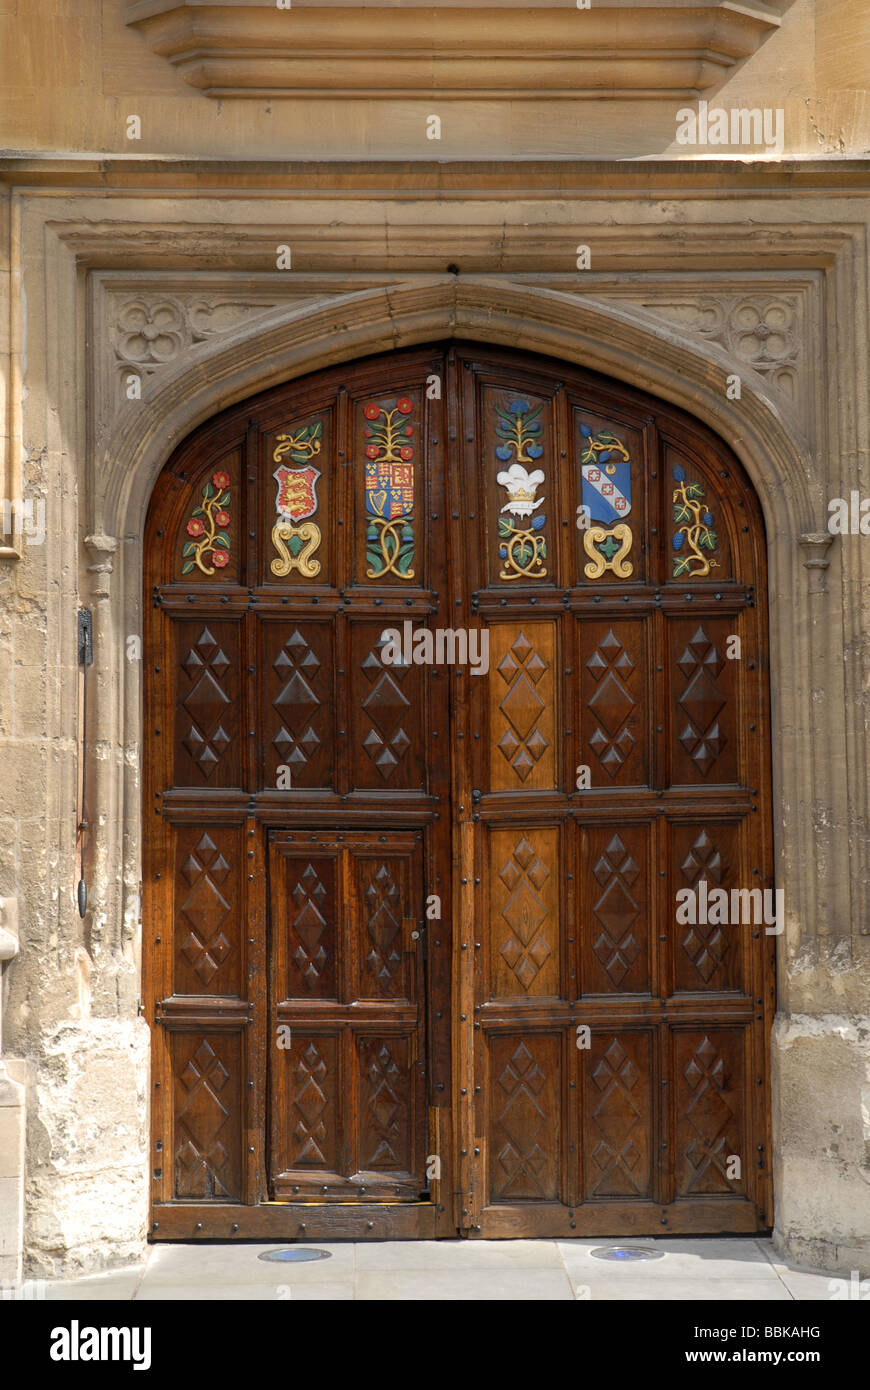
605,469
389,489
523,545
296,501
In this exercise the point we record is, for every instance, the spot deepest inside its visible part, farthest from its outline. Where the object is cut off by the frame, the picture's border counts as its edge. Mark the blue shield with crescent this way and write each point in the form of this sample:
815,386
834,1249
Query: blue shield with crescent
606,489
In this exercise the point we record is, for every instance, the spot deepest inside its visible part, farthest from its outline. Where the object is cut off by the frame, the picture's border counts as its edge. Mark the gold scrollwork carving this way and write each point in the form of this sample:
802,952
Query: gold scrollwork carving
617,544
304,540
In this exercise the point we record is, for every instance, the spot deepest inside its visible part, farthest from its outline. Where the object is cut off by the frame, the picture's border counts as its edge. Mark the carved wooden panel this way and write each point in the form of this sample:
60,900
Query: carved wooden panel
615,928
704,709
306,909
207,544
296,719
615,712
521,482
347,1098
618,1089
386,1120
524,927
296,501
207,1133
387,725
524,1140
611,484
708,951
697,520
388,904
311,1076
207,722
388,440
522,706
710,1111
207,949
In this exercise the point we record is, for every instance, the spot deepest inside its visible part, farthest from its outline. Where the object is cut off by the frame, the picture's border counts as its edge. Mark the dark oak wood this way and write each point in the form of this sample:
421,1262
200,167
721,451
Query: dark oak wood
387,962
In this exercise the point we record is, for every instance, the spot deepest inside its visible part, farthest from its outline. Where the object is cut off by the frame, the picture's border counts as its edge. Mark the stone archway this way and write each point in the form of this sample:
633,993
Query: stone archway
627,344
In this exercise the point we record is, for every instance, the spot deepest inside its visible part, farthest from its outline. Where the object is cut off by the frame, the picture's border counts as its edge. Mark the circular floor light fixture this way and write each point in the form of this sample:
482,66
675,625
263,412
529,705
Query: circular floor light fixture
300,1254
626,1252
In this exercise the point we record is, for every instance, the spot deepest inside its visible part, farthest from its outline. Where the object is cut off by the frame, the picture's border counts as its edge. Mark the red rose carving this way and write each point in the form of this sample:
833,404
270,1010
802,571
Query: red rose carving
404,406
221,480
220,559
372,411
195,527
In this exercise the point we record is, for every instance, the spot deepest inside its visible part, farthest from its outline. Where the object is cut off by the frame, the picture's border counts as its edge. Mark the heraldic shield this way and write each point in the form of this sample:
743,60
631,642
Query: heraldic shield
605,470
295,502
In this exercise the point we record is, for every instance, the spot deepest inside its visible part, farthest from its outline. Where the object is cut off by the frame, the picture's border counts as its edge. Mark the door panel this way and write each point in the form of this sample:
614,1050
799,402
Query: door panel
411,940
524,928
522,709
348,1094
622,764
618,1108
616,951
525,1106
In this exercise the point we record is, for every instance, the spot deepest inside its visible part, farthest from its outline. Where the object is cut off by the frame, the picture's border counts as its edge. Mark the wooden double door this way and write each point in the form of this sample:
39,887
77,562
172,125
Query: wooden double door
456,674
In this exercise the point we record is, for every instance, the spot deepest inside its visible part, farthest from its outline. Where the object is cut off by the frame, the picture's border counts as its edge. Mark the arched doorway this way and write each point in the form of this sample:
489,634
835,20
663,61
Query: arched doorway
410,925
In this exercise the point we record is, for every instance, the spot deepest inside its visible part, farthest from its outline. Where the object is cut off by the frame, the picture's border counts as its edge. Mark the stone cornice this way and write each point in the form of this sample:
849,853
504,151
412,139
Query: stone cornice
241,48
432,179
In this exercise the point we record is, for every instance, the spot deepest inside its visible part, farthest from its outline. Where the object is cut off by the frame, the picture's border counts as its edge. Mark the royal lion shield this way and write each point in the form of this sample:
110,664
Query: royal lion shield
297,492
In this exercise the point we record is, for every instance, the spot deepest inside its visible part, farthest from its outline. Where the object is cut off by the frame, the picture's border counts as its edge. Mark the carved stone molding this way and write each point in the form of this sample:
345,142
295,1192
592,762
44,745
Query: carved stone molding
767,329
362,48
101,550
815,546
146,324
151,330
763,330
149,324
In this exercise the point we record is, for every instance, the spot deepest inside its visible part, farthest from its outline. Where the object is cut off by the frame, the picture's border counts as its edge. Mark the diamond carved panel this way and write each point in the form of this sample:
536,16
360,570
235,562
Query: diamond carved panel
310,1104
705,747
522,706
709,1075
617,1163
383,907
206,707
206,1117
617,912
384,1101
311,927
524,1110
710,955
525,912
205,911
297,675
388,721
206,702
296,702
613,703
